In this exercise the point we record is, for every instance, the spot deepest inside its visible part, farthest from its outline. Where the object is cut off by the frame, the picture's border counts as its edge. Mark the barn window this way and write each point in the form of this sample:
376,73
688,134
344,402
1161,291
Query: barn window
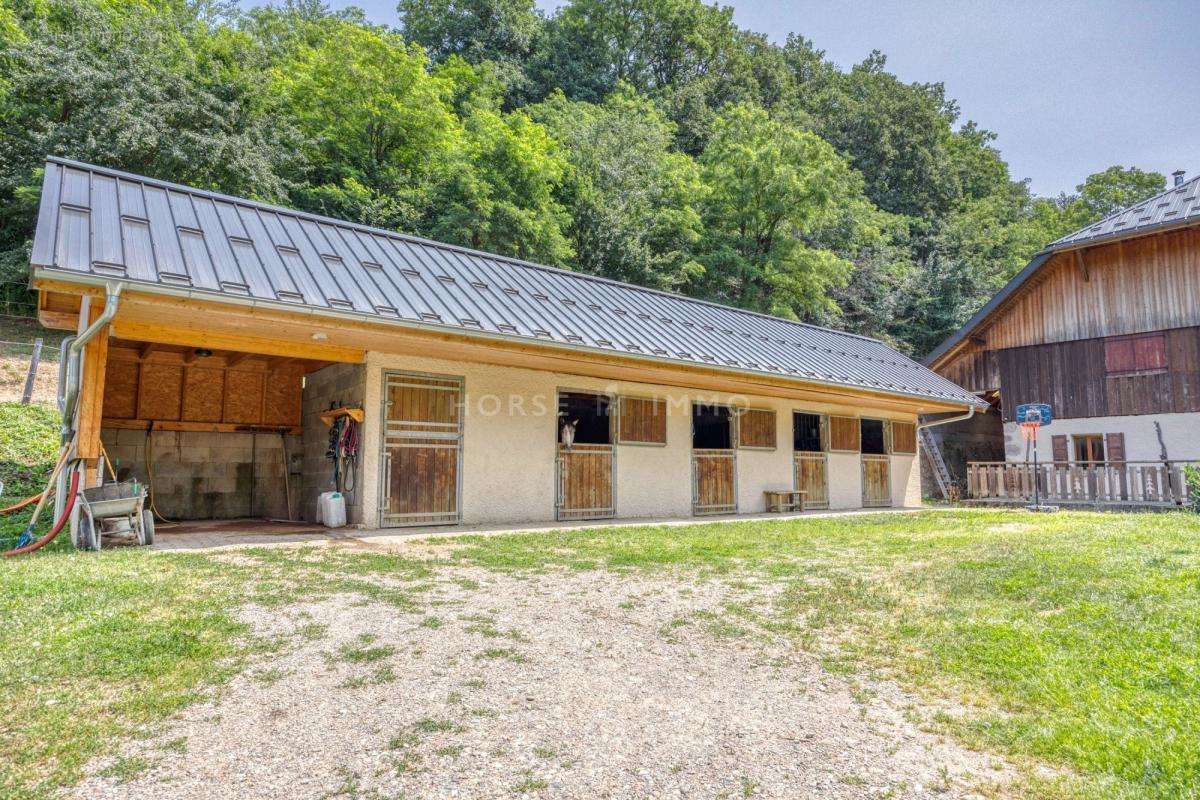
1135,355
711,428
806,433
1088,447
756,428
589,413
874,441
642,420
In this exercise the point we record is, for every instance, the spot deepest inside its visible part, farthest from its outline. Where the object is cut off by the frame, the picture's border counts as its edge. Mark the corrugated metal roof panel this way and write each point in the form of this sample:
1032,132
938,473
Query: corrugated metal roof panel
97,221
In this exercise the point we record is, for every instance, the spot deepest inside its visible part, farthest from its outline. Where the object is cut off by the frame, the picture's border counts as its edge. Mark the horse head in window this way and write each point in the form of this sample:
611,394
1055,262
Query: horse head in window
566,433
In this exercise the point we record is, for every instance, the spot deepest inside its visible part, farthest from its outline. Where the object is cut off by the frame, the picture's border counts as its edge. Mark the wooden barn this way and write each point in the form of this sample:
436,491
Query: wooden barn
225,336
1104,325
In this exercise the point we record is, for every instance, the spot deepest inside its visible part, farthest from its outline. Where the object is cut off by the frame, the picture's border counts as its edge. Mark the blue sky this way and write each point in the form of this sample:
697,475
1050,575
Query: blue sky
1070,87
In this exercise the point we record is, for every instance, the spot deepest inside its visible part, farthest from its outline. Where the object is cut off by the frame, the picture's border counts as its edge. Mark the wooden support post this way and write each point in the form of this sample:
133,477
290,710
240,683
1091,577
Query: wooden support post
1083,270
91,389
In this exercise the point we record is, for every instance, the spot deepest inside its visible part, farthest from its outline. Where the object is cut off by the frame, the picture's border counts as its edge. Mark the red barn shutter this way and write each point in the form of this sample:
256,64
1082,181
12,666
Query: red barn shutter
1119,356
1151,352
1059,445
1114,448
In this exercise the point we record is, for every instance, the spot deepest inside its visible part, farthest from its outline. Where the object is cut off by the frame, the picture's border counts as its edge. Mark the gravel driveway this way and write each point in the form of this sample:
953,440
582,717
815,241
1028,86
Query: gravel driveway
565,684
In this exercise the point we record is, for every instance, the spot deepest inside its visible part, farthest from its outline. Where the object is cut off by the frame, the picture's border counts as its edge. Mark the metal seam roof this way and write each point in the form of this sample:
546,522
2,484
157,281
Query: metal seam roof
108,224
1178,205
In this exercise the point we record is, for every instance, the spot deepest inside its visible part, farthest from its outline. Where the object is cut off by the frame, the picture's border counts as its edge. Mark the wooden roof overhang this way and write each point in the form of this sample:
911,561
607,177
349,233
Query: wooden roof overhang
149,313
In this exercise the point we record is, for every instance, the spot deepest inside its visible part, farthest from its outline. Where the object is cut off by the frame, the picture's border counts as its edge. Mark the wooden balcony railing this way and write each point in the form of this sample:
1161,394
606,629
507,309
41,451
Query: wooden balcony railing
1124,483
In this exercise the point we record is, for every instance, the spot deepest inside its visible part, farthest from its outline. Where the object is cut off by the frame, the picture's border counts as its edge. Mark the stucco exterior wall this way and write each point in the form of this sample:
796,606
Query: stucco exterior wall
510,433
906,481
1181,432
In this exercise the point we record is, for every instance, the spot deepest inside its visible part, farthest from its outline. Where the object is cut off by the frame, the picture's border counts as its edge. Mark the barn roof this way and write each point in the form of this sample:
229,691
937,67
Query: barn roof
1177,207
102,224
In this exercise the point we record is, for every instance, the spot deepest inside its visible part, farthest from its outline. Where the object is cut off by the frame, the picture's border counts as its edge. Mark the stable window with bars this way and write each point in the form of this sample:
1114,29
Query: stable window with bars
806,433
874,439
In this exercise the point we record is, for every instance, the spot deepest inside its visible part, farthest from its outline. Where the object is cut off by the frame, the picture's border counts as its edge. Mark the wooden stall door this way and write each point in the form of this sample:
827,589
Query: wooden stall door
585,481
422,450
714,482
877,481
812,479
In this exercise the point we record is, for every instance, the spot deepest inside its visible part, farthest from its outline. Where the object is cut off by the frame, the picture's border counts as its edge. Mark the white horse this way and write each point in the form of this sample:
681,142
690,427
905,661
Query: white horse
566,434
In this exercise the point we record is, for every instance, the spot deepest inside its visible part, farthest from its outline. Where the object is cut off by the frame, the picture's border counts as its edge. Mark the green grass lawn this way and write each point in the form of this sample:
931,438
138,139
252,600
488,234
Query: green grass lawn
1069,641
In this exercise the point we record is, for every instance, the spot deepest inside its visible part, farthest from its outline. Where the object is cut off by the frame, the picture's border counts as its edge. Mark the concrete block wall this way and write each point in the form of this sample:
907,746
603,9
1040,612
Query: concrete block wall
208,475
338,385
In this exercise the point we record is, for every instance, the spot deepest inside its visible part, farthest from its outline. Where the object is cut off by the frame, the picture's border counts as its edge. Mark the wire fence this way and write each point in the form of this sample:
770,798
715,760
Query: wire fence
17,300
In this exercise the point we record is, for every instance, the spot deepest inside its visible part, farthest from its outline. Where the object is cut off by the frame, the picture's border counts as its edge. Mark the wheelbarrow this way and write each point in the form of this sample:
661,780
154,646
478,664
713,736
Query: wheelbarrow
114,509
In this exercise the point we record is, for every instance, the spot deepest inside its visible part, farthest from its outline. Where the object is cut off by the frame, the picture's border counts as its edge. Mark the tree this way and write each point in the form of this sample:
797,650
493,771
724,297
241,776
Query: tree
500,33
768,186
499,192
476,30
1106,192
897,135
633,202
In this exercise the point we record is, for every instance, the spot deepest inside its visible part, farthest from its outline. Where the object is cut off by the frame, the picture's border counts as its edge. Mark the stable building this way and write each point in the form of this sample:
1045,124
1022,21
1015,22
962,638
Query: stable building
486,389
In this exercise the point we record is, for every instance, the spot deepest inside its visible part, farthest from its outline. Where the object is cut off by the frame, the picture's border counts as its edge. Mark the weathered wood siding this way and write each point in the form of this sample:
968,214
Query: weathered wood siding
1146,284
974,369
1137,285
1071,377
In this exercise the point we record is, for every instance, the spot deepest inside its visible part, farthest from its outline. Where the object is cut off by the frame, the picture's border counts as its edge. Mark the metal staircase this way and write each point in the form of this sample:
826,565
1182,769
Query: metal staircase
933,452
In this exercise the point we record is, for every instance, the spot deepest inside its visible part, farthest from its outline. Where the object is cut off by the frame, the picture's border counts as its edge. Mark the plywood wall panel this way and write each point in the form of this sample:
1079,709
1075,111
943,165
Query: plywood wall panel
243,397
159,391
121,389
281,401
203,394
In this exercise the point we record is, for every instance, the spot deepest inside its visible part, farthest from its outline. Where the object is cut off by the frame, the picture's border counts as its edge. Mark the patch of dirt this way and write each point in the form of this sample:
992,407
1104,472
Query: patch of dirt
561,685
13,371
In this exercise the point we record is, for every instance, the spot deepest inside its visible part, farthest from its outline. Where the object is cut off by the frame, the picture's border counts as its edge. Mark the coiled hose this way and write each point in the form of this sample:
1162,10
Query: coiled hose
38,544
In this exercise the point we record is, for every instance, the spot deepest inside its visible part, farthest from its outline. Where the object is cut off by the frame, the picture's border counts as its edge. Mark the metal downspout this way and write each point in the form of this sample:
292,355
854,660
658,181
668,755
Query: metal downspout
970,413
70,391
68,382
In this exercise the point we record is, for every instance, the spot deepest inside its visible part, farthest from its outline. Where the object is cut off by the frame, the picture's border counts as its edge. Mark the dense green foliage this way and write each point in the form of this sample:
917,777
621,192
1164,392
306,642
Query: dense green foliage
647,140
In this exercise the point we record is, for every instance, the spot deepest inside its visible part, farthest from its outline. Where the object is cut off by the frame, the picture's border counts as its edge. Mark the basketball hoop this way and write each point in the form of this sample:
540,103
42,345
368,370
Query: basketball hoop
1029,430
